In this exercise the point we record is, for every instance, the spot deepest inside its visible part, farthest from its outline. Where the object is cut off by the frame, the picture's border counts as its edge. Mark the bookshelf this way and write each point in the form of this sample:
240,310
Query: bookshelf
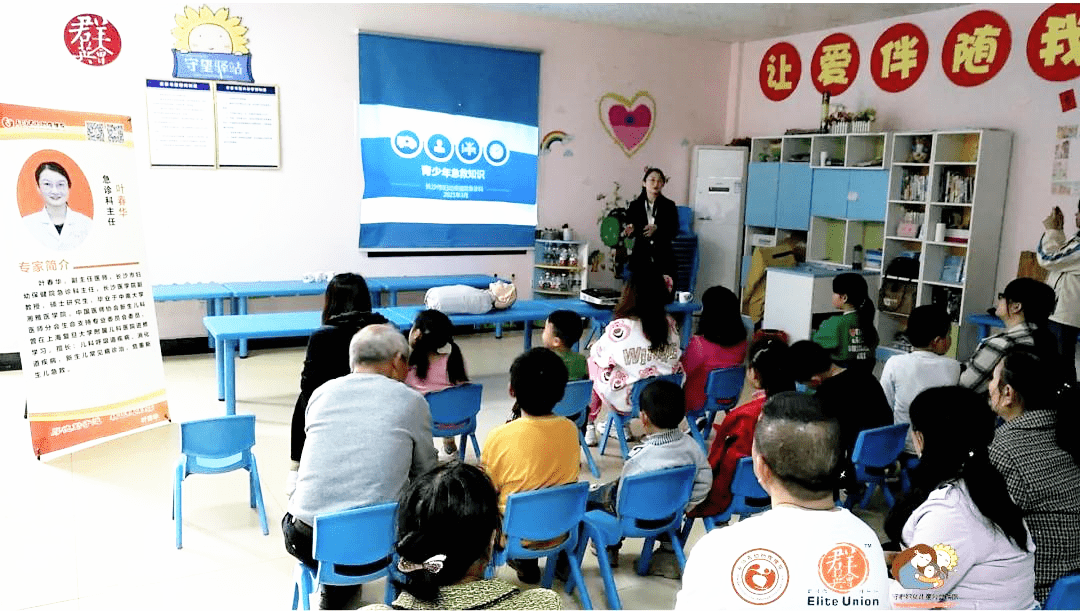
946,209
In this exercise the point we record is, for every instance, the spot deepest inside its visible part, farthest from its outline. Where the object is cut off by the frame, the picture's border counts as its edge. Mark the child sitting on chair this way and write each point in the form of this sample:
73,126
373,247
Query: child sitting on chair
429,369
664,447
561,331
538,450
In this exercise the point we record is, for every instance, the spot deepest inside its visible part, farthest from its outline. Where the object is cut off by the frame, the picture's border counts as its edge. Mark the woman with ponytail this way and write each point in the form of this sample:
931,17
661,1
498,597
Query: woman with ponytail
1036,452
447,526
960,506
431,369
850,336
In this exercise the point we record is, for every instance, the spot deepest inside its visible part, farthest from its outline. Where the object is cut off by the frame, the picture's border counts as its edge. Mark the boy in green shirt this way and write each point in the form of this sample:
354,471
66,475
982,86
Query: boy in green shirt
561,331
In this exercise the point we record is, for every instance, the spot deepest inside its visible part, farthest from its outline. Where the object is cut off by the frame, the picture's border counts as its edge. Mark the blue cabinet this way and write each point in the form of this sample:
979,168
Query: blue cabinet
761,187
793,197
851,194
778,195
830,193
871,189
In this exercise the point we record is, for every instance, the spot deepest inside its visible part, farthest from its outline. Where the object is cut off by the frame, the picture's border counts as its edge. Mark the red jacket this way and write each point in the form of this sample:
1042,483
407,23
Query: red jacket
734,438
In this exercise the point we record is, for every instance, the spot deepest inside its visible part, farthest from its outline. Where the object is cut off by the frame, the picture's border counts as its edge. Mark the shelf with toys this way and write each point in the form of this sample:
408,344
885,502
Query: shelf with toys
559,268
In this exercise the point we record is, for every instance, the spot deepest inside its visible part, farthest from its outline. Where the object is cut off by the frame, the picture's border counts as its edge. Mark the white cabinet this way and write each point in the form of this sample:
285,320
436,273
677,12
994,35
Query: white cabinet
960,183
798,298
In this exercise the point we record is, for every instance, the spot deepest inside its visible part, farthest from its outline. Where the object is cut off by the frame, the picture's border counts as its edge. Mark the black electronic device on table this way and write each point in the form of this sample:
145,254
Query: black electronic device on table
604,298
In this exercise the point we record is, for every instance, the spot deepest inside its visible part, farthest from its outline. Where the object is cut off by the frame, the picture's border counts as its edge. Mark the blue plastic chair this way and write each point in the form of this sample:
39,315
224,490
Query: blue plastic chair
351,547
453,412
619,420
906,467
1065,594
649,504
747,498
876,449
543,515
575,406
722,390
217,445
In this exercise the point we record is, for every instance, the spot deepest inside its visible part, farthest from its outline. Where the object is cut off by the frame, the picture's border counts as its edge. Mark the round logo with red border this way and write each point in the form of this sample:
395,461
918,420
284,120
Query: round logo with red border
835,64
760,576
976,48
779,72
843,568
92,39
1053,48
899,57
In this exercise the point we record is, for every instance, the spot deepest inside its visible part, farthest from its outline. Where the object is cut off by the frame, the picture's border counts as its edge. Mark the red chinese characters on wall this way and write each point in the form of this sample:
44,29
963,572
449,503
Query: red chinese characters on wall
1053,44
899,57
834,64
92,39
779,71
976,48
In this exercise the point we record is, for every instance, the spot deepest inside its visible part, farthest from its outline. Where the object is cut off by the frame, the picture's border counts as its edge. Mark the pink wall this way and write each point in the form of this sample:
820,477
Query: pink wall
1016,100
278,224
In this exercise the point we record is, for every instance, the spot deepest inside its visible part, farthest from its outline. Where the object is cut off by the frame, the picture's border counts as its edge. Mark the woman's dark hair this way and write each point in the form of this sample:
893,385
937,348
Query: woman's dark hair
1037,301
644,296
451,510
436,331
55,167
650,170
853,286
769,358
345,293
957,428
1038,388
721,319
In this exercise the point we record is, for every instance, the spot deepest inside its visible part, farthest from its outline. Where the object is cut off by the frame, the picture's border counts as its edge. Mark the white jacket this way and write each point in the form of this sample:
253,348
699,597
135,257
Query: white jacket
1061,257
76,227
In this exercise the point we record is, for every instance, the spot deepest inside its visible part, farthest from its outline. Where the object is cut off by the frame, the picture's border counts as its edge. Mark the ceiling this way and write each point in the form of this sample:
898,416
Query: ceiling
725,22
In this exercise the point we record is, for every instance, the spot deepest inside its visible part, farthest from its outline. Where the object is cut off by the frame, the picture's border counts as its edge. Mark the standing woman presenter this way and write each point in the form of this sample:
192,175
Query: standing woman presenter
653,223
56,225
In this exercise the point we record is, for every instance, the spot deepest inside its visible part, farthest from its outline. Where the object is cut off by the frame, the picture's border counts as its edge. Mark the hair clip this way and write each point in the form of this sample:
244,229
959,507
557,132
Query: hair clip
432,565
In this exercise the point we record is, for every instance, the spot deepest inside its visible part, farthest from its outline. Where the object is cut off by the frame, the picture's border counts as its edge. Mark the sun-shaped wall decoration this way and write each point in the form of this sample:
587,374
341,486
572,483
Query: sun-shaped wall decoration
206,31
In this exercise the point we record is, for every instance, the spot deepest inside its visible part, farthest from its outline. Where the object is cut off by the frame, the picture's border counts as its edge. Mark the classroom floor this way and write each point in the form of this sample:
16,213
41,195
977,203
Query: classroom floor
96,530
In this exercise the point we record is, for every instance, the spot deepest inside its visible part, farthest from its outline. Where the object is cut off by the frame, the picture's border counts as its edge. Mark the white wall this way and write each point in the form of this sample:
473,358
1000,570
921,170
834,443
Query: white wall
220,225
1016,100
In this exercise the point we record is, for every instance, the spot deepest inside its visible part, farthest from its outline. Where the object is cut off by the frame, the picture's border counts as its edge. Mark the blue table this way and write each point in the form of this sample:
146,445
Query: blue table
393,285
228,331
270,288
213,293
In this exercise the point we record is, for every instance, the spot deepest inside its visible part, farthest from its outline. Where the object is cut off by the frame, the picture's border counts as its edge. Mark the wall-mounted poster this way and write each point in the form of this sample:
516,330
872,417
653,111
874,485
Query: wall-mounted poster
1065,179
180,119
449,140
78,294
248,132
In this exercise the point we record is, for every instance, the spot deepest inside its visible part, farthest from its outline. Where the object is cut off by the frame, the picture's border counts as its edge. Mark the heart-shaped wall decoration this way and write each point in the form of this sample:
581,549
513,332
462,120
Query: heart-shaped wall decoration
628,122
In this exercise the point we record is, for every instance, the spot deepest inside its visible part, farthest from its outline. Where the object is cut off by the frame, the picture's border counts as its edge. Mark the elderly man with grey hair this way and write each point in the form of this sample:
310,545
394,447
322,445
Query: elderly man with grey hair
367,435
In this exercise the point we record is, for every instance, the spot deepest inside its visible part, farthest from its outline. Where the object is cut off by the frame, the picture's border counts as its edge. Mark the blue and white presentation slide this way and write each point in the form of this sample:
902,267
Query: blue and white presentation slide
448,144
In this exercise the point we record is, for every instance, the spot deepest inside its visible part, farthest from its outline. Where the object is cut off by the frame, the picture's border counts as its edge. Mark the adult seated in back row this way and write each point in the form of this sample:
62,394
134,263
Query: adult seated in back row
804,550
367,435
1024,306
1036,451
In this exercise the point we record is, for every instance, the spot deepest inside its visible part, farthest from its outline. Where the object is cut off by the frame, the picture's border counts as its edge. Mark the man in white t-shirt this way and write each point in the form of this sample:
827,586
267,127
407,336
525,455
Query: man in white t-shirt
906,375
805,551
